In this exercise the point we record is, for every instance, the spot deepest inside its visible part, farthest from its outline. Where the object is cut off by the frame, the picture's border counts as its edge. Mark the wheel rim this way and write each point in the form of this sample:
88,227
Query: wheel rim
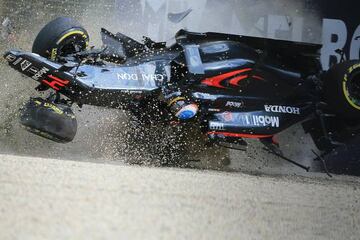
73,44
352,90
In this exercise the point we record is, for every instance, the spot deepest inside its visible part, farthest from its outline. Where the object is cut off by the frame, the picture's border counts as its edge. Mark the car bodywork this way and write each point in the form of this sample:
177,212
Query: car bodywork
246,87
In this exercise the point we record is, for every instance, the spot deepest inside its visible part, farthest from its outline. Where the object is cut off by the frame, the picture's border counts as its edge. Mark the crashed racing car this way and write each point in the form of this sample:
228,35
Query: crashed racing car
232,87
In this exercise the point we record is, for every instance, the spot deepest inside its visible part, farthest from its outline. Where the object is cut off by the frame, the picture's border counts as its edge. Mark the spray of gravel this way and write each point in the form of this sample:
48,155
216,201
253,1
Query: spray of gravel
107,134
110,134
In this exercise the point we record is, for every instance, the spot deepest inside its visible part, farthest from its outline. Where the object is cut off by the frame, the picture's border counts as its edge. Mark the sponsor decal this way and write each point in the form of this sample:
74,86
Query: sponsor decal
228,116
55,83
131,91
10,58
337,35
214,110
143,77
234,104
282,109
252,120
265,121
33,70
25,65
53,53
17,61
40,73
54,108
127,76
217,126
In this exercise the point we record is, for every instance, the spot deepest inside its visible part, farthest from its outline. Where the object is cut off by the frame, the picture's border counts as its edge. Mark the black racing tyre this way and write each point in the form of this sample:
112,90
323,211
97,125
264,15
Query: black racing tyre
342,89
56,122
60,37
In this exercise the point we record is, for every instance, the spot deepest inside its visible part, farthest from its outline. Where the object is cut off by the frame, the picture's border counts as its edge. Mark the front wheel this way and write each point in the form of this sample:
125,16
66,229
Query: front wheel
60,37
56,122
342,89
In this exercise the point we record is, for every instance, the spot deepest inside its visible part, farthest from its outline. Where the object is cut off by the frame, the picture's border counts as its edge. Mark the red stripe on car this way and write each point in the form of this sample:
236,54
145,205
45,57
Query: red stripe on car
216,81
239,135
235,81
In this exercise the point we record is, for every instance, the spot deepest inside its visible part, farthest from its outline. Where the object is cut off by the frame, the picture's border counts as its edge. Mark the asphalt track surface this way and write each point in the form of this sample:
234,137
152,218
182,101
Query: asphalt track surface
57,199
